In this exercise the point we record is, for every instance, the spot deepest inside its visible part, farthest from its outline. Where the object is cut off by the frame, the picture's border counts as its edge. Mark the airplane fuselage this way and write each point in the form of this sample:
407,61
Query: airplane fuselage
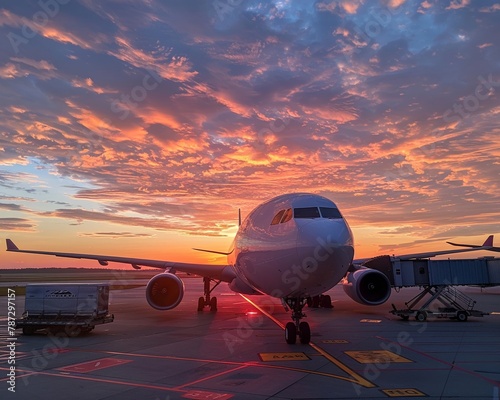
295,245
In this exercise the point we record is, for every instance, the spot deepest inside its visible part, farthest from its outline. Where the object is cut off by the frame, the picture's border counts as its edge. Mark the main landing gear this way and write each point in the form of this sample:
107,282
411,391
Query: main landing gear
292,329
207,300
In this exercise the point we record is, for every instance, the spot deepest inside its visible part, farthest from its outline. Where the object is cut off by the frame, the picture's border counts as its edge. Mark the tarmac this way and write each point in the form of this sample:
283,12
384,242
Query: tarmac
239,352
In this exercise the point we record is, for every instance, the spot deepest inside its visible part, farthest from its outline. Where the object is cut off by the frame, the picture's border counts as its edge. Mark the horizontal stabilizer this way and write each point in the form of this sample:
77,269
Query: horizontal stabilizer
213,251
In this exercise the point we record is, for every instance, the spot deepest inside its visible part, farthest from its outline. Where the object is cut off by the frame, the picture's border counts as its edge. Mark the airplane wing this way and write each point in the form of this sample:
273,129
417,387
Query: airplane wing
224,273
487,245
488,242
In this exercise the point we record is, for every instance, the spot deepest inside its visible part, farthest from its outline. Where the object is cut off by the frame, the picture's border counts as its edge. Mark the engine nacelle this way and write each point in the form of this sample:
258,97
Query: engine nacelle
367,286
165,291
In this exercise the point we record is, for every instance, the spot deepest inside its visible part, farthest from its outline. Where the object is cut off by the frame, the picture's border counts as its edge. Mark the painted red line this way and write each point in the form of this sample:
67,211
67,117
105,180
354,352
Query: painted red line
103,380
57,350
205,395
95,365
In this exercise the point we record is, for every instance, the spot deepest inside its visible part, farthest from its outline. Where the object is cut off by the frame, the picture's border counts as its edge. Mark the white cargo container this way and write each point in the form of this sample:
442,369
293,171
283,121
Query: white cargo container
69,306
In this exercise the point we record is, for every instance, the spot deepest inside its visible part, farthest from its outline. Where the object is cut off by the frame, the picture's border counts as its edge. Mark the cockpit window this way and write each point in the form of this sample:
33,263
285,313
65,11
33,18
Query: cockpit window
277,217
282,216
306,212
287,216
329,212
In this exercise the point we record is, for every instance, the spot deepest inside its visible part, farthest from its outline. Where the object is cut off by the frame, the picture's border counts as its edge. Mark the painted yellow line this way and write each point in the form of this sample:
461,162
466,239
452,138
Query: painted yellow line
355,377
403,393
335,341
377,357
283,357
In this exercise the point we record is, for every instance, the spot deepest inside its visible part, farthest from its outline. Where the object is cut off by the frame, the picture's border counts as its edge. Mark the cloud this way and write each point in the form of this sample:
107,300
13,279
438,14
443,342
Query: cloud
172,115
116,235
17,225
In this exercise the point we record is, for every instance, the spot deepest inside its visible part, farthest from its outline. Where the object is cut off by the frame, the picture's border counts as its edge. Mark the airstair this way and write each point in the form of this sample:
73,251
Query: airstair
455,305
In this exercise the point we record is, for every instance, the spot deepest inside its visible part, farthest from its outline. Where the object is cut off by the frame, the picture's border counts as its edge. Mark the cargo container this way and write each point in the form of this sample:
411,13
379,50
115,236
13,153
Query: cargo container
71,308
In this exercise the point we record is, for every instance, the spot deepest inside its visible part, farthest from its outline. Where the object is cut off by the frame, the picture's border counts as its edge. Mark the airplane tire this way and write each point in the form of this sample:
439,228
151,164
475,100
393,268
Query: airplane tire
462,316
315,302
213,304
28,330
421,316
304,333
326,301
201,304
290,333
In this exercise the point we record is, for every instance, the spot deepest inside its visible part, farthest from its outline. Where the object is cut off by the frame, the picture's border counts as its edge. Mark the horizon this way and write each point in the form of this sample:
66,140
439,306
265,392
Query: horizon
139,130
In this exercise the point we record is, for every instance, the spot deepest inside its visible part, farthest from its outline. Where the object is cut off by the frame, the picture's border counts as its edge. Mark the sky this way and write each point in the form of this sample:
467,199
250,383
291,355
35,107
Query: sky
138,128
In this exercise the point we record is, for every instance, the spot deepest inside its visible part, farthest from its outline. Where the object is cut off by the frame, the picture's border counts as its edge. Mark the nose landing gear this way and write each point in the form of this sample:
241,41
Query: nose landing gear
297,328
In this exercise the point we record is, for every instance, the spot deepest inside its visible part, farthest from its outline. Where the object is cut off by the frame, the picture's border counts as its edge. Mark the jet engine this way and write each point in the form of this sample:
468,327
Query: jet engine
367,286
164,291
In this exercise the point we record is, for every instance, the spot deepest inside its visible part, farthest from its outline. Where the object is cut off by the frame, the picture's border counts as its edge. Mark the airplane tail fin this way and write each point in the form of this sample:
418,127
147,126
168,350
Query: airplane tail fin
11,246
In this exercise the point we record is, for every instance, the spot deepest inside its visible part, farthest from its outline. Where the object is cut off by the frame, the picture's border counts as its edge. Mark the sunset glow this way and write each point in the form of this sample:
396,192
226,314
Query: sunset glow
140,128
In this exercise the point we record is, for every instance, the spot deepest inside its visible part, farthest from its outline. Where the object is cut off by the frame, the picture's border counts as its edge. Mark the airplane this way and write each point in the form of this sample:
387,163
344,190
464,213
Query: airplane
293,247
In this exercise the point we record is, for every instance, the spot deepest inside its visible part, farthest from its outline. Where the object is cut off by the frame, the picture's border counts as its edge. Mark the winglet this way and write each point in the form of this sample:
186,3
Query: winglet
488,242
11,246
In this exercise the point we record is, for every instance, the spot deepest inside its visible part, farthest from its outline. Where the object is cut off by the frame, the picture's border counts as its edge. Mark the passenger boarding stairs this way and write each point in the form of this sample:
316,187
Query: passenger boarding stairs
456,299
457,305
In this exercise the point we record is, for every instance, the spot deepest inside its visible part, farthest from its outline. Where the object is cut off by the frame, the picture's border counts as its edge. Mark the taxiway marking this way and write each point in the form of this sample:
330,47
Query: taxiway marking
335,341
376,357
283,357
94,365
354,376
403,393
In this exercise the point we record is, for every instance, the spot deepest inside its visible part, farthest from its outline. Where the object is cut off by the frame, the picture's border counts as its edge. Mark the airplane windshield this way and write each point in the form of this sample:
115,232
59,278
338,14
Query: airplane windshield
282,216
306,212
277,217
329,212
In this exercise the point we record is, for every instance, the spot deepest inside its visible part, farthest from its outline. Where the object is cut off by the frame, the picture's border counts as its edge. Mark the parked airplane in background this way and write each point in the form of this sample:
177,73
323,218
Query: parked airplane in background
293,247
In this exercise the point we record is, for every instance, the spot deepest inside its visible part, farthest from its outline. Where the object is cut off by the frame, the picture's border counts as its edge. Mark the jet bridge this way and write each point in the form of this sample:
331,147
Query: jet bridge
439,279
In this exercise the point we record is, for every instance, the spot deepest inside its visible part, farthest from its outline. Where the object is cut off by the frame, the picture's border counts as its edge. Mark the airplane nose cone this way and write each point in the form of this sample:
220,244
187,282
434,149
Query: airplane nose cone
325,248
328,233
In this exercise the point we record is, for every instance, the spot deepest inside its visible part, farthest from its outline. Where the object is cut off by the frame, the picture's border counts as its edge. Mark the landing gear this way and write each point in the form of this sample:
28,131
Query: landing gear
207,300
290,333
322,300
292,329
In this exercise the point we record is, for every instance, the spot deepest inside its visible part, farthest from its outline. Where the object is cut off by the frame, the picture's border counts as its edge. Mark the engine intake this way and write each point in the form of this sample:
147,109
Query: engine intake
165,291
367,286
